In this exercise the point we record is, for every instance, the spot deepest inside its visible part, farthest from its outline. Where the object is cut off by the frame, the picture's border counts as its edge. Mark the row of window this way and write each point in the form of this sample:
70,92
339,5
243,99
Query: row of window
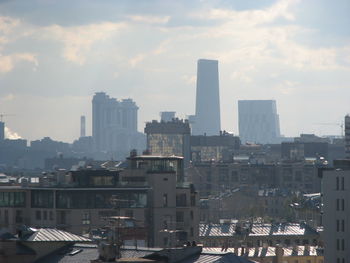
340,204
341,244
44,215
340,183
12,199
340,225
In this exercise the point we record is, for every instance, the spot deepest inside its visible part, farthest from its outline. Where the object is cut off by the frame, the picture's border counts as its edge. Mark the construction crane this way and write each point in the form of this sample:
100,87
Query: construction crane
5,115
341,125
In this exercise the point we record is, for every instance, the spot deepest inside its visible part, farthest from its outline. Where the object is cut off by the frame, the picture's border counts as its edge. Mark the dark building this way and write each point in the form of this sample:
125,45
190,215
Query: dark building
214,148
169,138
301,150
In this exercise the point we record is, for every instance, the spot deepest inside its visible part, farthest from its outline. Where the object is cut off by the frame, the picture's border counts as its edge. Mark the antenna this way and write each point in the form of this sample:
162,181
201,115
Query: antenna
2,115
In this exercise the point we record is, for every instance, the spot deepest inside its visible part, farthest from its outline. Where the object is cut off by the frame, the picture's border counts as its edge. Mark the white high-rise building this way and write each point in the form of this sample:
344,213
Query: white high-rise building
114,126
258,121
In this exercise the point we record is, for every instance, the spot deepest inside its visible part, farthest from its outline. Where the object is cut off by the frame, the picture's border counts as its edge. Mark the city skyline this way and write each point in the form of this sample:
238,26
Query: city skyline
53,61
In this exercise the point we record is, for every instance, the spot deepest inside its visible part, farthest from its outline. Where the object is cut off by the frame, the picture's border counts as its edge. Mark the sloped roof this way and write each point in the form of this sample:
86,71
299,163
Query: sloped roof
49,235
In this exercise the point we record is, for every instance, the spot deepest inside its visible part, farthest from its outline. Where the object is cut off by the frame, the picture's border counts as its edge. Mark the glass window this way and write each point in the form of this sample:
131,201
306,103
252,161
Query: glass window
38,215
42,199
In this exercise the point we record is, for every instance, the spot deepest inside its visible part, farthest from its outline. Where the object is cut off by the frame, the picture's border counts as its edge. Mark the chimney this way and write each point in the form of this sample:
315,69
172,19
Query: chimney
279,254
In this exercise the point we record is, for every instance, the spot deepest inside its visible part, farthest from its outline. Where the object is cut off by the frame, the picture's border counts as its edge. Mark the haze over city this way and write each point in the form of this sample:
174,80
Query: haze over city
54,55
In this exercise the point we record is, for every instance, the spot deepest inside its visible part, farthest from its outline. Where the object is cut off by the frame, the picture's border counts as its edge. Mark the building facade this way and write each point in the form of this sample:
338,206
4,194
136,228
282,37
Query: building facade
258,121
336,220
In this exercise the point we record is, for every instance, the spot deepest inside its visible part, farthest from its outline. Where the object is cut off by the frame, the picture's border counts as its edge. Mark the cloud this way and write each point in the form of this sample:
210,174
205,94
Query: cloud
147,19
11,135
79,40
8,62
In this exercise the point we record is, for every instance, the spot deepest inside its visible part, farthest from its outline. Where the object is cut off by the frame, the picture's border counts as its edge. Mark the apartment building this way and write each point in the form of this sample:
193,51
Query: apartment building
150,190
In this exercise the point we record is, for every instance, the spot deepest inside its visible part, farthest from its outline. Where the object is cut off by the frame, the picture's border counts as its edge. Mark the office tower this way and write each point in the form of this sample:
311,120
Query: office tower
2,131
169,138
82,126
167,116
347,136
114,126
207,118
336,220
258,121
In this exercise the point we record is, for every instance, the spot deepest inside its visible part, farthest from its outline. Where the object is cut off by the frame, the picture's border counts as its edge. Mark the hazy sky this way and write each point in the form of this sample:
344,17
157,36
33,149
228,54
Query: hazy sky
54,54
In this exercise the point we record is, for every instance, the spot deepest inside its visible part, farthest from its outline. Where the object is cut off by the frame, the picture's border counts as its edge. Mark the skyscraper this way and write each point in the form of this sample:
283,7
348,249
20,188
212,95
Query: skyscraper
207,118
114,126
258,121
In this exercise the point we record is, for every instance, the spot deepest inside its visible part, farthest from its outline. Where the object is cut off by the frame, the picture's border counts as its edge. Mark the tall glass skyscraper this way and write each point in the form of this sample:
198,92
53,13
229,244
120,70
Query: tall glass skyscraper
207,118
258,121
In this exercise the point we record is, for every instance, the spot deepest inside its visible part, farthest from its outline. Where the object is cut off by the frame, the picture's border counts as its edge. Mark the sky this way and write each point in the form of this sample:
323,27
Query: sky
55,54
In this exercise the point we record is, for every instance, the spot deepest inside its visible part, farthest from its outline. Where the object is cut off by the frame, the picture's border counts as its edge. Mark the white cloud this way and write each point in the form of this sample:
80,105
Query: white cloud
11,135
78,40
8,62
146,19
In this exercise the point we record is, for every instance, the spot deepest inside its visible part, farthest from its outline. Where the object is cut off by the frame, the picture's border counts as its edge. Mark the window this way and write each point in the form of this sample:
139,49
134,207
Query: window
86,218
342,204
38,215
179,216
181,200
343,225
338,204
165,200
342,183
19,216
6,217
343,244
337,183
191,231
45,215
338,245
338,225
51,215
191,215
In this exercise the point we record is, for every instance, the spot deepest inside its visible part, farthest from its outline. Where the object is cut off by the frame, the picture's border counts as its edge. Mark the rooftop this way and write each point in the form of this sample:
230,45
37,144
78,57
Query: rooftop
255,229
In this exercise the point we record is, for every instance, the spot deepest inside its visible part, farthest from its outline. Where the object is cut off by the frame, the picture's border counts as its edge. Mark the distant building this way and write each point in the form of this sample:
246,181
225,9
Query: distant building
214,148
114,127
336,220
82,126
347,136
169,138
207,118
166,116
2,131
258,121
